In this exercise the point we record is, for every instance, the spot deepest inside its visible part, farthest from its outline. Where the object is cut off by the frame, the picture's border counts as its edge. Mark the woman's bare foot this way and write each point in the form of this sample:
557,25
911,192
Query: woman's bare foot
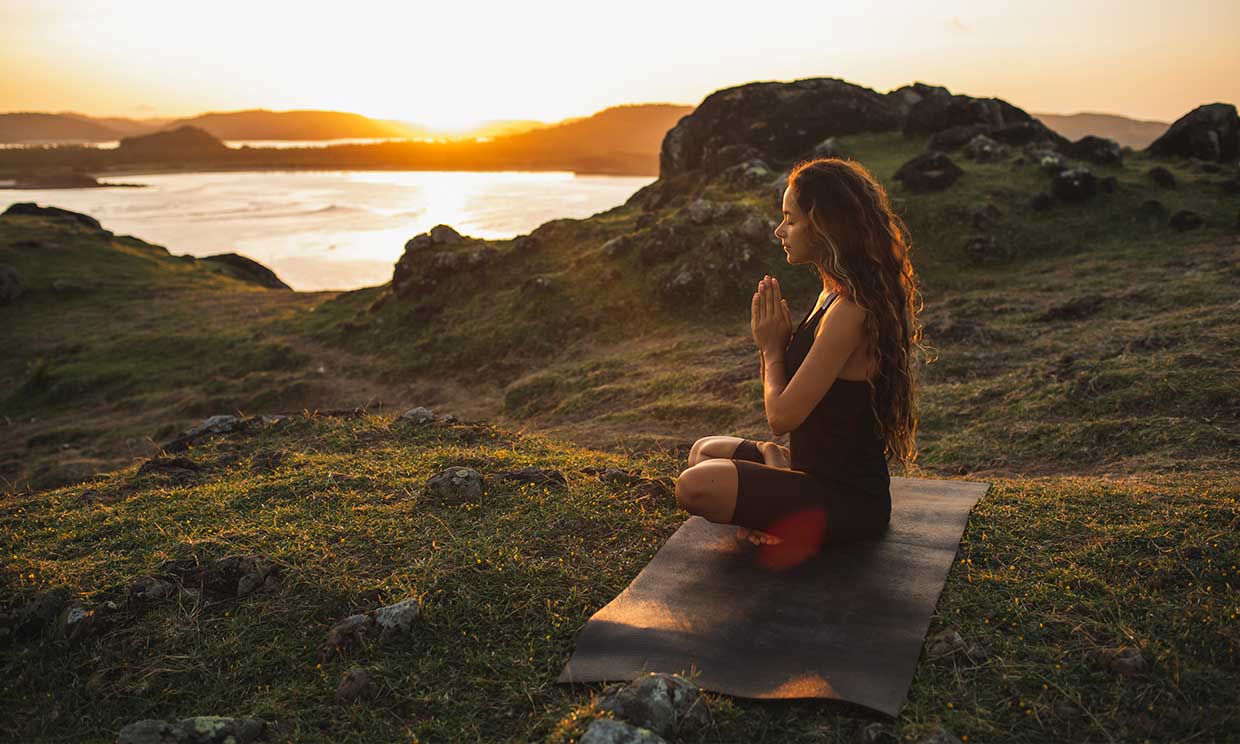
756,537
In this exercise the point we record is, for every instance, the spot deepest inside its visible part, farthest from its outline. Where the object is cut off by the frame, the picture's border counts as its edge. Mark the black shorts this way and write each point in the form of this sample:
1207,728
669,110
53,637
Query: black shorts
775,500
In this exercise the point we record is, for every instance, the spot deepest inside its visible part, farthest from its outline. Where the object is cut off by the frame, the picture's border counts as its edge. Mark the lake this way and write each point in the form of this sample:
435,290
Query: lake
330,230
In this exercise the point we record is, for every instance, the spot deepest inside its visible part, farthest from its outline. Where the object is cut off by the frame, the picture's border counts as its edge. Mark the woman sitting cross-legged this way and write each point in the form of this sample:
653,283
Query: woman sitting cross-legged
840,384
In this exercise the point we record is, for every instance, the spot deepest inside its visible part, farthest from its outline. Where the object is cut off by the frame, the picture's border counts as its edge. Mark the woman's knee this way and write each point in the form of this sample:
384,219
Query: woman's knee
713,446
690,487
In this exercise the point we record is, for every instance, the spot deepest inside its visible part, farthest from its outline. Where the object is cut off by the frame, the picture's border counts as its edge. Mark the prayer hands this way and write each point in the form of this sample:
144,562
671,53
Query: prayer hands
770,318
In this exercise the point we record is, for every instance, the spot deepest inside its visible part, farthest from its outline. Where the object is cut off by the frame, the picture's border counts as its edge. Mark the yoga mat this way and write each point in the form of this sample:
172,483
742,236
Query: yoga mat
848,623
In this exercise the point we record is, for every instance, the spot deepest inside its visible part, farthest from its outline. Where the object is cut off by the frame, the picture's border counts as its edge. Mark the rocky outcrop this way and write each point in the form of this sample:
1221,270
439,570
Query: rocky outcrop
34,210
1210,132
774,122
1097,150
438,252
929,171
937,110
247,270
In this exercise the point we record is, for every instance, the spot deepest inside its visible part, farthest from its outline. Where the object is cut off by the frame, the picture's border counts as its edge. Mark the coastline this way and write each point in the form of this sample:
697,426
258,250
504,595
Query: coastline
160,170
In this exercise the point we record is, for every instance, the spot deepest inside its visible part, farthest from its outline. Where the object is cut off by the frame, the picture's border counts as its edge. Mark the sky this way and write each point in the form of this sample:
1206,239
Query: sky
457,63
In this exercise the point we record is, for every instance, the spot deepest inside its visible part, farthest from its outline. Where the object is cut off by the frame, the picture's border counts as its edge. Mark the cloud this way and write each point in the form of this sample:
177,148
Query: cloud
958,24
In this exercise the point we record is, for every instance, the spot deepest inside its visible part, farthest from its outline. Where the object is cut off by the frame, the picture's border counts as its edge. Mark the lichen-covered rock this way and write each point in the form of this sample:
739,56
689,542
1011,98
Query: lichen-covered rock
34,210
664,703
982,149
607,731
397,620
197,730
1074,185
455,485
419,415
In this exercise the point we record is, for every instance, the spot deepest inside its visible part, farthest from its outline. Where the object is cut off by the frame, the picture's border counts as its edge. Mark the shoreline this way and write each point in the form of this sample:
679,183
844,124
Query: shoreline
157,170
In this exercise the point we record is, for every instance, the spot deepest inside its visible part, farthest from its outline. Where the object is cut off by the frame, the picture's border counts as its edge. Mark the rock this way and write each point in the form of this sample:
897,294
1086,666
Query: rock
749,174
944,644
758,229
1162,176
396,620
646,220
682,287
664,703
929,171
939,736
34,210
418,415
455,485
618,246
1152,208
1042,201
1208,132
214,425
702,211
781,121
953,138
1126,660
150,588
1097,150
714,162
664,243
247,269
607,731
537,285
346,634
76,622
908,96
877,733
985,215
1185,220
12,285
355,685
982,149
445,235
1047,160
1005,122
1074,185
198,730
185,142
31,618
537,476
828,148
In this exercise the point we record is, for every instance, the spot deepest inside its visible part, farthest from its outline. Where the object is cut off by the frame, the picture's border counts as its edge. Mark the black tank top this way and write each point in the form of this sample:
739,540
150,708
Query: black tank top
840,440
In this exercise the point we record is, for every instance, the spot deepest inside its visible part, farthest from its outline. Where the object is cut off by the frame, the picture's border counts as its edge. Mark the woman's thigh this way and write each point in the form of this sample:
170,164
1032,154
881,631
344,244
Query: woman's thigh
781,502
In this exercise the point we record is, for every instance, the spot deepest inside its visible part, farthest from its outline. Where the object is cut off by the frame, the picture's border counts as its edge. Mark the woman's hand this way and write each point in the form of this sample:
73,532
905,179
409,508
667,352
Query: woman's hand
770,319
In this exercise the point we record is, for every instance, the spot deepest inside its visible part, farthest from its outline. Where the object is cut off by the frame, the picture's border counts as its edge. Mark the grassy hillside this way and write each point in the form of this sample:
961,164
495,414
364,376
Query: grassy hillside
1086,367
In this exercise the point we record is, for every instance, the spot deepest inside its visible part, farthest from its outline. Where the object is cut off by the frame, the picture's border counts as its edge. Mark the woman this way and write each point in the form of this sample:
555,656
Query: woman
841,384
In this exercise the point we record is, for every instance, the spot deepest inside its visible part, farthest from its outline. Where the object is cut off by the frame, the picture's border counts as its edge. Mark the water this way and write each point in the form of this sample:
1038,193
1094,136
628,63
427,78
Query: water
234,144
330,230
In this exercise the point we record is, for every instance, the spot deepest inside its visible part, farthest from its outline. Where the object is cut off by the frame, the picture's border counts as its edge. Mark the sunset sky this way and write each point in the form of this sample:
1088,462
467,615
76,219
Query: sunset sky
455,63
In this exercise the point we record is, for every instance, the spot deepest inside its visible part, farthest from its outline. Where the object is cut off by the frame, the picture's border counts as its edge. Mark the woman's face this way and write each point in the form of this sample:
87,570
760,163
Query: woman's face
793,231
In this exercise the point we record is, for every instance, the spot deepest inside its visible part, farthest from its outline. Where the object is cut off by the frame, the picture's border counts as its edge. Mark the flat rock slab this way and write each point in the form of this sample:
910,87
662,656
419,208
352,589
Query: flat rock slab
846,623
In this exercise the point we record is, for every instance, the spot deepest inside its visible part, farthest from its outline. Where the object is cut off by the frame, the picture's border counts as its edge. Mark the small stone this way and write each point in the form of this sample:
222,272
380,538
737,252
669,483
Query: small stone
1162,176
876,733
419,415
345,634
940,736
661,702
355,685
1126,660
455,485
944,643
608,731
398,619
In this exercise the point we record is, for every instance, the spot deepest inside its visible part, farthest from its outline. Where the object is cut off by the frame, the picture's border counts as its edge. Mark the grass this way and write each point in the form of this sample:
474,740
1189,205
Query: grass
1050,571
1107,429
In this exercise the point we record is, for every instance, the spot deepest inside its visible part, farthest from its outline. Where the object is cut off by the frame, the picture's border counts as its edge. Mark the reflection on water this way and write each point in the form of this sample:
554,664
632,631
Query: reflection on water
331,229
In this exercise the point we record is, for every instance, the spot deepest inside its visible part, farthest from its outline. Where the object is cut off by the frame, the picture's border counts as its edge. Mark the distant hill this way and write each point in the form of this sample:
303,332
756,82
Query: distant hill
1135,133
35,127
260,124
630,128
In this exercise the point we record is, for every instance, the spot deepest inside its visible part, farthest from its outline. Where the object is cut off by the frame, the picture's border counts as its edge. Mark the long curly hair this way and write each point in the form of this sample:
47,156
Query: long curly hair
865,257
